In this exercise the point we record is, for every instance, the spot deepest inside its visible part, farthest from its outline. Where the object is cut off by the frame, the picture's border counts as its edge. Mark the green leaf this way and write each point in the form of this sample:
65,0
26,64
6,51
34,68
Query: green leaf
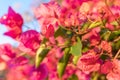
115,23
85,26
103,30
76,49
75,59
40,55
95,24
60,32
106,35
44,40
73,77
104,57
116,46
114,35
69,34
63,62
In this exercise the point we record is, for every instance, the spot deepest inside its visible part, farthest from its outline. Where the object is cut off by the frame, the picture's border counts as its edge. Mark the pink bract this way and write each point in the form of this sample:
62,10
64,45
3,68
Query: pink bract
47,14
113,70
89,62
72,42
49,31
7,52
106,46
28,72
105,69
30,39
13,21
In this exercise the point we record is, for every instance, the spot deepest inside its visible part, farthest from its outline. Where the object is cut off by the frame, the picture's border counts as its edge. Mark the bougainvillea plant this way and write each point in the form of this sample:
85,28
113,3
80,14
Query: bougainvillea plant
79,40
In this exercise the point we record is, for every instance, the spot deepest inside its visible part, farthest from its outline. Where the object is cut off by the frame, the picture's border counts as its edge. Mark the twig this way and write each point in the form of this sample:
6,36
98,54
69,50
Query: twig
117,39
117,54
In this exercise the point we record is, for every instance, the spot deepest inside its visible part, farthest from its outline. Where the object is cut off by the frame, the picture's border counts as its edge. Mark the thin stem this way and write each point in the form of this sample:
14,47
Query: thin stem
117,54
117,39
21,54
26,26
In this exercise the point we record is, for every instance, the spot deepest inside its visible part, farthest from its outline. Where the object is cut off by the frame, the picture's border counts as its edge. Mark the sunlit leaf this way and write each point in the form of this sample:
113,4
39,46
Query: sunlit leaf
115,23
63,62
60,32
40,55
76,48
106,35
75,59
95,24
114,35
85,26
73,77
116,45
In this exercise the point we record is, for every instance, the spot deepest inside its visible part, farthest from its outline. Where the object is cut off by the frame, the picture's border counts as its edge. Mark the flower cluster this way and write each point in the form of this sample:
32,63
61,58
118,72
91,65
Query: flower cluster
79,40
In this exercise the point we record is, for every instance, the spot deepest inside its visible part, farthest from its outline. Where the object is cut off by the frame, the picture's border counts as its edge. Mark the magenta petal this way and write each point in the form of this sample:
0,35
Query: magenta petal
89,62
43,71
11,33
6,50
18,61
39,73
30,39
12,19
49,31
11,12
105,69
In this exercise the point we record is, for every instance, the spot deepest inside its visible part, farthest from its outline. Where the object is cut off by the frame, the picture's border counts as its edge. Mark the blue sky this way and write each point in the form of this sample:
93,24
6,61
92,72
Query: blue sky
19,6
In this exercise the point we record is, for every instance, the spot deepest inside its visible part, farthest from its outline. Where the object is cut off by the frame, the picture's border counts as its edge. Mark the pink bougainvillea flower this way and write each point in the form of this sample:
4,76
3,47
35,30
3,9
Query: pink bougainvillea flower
7,52
40,73
94,32
109,26
94,40
30,39
13,33
113,71
17,61
69,18
106,46
47,13
93,36
28,72
104,68
49,31
13,21
73,3
72,69
89,62
82,75
84,8
20,72
115,10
